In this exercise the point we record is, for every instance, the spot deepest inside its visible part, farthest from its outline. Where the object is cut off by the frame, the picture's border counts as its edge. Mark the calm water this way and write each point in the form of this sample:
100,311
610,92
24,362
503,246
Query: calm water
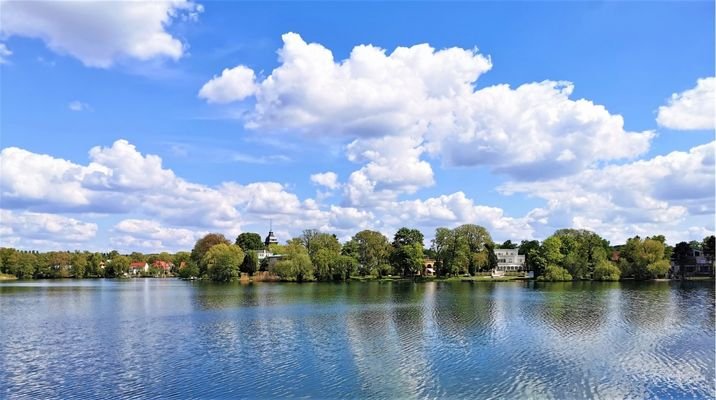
175,339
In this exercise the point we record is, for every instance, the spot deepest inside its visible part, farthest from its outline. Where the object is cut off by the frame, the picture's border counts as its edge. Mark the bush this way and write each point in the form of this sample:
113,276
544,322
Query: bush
658,268
554,273
606,271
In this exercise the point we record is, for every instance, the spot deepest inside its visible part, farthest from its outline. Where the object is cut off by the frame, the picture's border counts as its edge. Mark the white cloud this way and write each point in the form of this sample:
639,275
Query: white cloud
99,33
142,234
119,179
397,108
326,179
665,193
78,106
25,229
4,53
234,84
692,109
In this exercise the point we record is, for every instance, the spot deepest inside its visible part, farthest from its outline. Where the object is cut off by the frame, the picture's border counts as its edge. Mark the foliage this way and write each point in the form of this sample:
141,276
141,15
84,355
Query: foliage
221,262
79,265
371,249
249,241
606,271
643,259
526,247
189,270
406,257
457,250
658,268
507,244
553,273
250,263
295,263
708,245
203,245
682,253
117,266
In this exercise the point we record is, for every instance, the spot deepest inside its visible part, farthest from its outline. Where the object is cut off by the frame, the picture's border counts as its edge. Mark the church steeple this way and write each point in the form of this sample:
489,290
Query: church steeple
271,238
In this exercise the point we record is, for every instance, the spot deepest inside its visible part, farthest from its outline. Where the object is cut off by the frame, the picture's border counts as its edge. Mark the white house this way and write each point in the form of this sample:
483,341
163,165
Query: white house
509,260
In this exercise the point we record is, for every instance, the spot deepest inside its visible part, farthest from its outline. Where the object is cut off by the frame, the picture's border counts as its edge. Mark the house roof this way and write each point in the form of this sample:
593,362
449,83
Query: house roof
137,265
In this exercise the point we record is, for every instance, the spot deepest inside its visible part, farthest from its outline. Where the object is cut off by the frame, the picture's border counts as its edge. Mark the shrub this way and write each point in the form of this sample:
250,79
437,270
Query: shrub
554,273
606,271
658,268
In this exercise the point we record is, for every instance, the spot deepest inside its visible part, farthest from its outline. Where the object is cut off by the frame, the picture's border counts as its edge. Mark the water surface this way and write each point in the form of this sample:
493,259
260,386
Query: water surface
174,339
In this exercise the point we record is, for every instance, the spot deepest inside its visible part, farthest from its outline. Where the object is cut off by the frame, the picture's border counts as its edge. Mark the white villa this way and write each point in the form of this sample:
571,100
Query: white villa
509,260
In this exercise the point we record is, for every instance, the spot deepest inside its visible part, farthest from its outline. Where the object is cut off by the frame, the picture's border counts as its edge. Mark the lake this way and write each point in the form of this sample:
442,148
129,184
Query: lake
174,339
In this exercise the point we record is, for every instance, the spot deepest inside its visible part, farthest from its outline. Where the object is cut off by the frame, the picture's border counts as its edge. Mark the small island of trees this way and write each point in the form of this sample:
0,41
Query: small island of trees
466,251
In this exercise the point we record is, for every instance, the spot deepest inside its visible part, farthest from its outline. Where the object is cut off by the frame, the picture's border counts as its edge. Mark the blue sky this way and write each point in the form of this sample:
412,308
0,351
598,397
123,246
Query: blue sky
523,160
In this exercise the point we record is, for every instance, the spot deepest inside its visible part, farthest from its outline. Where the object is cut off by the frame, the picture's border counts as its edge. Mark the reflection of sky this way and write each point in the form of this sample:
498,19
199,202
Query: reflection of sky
153,337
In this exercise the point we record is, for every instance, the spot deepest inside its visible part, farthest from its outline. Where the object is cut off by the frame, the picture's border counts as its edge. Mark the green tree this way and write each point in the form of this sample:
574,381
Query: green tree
682,255
79,265
507,244
606,271
189,270
138,257
222,261
94,265
179,258
8,259
708,246
203,245
371,250
295,264
525,248
249,241
406,257
250,263
553,273
658,268
117,266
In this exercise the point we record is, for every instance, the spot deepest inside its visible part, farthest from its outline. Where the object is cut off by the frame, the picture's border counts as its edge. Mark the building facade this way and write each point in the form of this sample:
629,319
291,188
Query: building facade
509,260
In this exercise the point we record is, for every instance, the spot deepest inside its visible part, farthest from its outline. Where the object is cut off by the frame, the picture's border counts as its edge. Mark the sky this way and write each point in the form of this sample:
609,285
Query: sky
141,126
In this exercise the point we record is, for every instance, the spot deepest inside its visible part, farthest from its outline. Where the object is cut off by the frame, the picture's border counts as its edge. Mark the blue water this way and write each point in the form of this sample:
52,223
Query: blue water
150,338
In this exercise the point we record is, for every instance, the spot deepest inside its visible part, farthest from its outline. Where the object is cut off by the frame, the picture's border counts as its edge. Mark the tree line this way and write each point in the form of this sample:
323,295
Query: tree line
465,250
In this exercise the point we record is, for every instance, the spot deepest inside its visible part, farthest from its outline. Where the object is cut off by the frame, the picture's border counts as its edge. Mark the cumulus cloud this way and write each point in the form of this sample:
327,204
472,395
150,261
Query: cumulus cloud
662,193
100,33
4,53
234,84
398,107
693,109
47,230
149,235
326,179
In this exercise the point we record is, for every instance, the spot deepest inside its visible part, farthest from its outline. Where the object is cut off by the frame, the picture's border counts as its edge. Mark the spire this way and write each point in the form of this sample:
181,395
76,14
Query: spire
270,239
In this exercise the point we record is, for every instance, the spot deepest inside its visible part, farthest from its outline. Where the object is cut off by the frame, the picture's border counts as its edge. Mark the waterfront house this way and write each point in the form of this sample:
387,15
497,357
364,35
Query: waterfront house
696,264
162,266
138,267
509,260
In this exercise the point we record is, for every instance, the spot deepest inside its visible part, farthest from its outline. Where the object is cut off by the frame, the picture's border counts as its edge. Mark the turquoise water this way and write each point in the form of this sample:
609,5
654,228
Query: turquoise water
174,339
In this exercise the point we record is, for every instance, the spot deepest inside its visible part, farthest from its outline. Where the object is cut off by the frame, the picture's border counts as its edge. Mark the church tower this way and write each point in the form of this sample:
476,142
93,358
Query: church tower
271,238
